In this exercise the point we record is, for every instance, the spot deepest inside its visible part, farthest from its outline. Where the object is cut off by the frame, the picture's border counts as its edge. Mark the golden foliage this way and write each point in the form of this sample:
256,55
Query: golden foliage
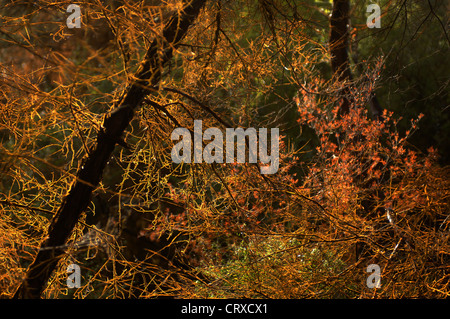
197,230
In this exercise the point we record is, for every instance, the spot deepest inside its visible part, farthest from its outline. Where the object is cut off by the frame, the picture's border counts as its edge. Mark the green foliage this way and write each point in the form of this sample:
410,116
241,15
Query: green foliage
272,267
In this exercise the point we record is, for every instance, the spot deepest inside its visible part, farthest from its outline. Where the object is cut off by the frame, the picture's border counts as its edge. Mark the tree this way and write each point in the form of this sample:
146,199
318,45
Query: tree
114,124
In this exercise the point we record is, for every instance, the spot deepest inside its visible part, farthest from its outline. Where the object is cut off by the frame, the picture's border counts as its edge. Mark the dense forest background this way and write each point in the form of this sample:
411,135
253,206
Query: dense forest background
87,178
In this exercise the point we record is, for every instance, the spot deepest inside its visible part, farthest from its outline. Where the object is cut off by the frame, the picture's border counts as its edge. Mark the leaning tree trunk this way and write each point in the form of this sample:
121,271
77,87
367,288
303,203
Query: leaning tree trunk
91,171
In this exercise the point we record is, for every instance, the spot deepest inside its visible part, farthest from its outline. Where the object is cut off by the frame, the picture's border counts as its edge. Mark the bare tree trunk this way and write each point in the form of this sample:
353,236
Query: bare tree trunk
375,108
338,48
90,173
340,63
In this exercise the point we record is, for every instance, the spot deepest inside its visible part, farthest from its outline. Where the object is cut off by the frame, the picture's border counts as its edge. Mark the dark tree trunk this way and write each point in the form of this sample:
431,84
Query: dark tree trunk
340,63
338,49
90,173
375,108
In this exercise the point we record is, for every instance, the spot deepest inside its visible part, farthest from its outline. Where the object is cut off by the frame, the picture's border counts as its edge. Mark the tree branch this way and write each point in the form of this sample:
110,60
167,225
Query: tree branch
91,171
